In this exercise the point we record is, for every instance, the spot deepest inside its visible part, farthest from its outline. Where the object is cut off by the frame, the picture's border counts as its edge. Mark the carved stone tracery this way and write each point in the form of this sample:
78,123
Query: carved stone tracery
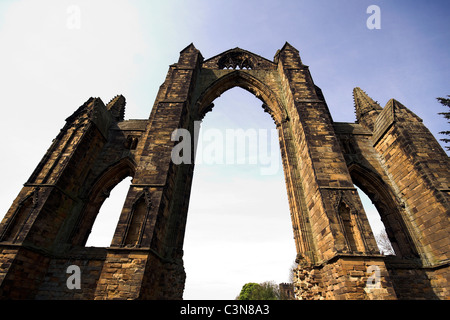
236,60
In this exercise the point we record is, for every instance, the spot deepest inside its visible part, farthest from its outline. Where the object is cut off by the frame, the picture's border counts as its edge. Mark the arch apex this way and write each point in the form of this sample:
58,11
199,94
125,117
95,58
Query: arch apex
248,82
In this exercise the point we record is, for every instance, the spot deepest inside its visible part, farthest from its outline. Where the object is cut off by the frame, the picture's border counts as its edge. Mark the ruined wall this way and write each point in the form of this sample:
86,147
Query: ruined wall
398,163
345,278
388,153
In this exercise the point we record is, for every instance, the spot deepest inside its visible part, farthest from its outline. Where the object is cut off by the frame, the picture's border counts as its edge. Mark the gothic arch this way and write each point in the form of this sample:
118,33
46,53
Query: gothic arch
248,82
20,216
350,227
97,194
389,207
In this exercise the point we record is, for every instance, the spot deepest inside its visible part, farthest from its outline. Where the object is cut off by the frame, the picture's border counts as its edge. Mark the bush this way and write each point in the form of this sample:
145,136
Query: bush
263,291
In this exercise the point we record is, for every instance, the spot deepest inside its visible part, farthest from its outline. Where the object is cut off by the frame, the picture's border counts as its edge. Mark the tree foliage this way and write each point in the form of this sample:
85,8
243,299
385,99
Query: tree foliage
260,291
248,291
445,102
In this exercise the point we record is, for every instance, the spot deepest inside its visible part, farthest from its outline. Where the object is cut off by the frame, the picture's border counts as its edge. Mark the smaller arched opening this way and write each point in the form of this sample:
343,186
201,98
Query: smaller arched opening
392,230
103,206
106,220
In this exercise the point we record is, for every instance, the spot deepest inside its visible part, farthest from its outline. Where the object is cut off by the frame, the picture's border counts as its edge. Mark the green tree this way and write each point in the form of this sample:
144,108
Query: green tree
445,102
248,291
256,291
269,291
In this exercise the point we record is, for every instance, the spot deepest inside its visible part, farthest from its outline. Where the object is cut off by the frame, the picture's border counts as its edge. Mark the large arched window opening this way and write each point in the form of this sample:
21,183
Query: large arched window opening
105,223
238,227
377,226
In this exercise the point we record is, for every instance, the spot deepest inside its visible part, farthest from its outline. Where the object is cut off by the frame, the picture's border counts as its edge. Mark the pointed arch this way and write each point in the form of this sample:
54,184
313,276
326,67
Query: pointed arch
348,226
136,220
20,217
351,226
97,194
106,220
246,81
389,207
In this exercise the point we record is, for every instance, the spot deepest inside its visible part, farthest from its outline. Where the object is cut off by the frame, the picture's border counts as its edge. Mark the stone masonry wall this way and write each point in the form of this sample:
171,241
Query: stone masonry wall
349,278
388,152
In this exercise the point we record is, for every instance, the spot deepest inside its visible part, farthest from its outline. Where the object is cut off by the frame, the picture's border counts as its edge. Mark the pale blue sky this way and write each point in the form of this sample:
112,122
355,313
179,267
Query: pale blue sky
125,47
